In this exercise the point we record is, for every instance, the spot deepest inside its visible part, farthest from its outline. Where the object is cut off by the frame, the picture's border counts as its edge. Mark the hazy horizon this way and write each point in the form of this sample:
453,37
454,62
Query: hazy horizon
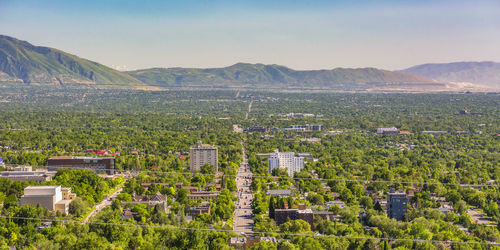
388,35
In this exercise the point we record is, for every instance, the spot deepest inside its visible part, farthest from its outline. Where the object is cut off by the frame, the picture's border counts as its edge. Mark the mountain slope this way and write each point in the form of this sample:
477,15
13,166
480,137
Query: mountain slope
21,61
483,73
260,75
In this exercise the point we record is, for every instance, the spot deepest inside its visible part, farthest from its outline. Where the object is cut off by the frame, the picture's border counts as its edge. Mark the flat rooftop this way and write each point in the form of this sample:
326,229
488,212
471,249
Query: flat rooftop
79,157
41,187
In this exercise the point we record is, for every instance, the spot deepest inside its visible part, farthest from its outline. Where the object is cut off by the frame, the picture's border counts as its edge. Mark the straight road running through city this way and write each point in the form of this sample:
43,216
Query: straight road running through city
243,218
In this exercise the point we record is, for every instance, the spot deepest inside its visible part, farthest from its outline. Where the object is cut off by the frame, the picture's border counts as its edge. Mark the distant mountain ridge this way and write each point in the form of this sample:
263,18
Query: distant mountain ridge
21,61
482,73
261,75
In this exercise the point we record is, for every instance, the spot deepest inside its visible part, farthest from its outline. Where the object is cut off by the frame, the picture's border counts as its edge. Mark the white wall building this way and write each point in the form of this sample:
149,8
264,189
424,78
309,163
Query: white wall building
50,197
286,160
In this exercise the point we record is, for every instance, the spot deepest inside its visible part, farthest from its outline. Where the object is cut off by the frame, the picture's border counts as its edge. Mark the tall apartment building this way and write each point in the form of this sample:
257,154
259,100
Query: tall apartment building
98,164
50,197
396,204
286,160
202,154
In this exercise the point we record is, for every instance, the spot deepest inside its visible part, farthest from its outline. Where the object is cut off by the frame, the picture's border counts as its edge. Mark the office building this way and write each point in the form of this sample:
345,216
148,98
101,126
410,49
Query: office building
97,164
396,204
202,154
287,161
50,197
39,176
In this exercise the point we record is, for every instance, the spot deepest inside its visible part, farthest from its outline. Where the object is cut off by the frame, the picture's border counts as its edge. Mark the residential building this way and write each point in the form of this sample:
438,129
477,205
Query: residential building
146,185
283,215
287,161
388,131
98,164
338,203
279,192
396,204
127,214
150,201
303,128
238,242
203,195
194,212
50,197
39,176
326,215
268,239
435,132
202,154
256,128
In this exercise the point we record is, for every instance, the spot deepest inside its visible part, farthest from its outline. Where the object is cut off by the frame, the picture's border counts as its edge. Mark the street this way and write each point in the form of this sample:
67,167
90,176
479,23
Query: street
106,202
243,218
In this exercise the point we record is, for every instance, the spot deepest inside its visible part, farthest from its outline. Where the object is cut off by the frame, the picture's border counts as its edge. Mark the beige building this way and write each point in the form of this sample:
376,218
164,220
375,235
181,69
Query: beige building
50,197
202,154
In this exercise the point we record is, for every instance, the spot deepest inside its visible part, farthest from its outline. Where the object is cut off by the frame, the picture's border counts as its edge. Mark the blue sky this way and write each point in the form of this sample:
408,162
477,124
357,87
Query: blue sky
299,34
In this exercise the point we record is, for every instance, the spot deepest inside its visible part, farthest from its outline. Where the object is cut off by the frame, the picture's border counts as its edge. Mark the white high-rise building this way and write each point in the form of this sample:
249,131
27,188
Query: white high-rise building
202,154
286,160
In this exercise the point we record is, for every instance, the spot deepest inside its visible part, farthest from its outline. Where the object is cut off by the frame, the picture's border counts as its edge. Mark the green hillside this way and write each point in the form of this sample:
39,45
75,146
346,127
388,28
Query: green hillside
21,61
260,75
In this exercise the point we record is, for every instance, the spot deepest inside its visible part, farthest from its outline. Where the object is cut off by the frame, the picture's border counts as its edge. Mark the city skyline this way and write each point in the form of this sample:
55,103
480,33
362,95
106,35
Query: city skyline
383,34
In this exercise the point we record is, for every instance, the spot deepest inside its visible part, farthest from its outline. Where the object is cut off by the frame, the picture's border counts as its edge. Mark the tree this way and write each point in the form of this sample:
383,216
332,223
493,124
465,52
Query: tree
295,226
263,245
78,207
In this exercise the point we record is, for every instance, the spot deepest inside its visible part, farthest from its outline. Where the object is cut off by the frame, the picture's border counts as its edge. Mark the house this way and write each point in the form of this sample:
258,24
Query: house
149,200
128,214
146,185
338,203
269,239
238,242
194,212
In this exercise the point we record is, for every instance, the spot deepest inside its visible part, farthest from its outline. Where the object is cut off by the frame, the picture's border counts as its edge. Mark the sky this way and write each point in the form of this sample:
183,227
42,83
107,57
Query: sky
135,34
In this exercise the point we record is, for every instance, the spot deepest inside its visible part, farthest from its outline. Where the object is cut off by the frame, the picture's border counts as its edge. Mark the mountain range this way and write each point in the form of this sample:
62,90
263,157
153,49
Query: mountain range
22,62
483,73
